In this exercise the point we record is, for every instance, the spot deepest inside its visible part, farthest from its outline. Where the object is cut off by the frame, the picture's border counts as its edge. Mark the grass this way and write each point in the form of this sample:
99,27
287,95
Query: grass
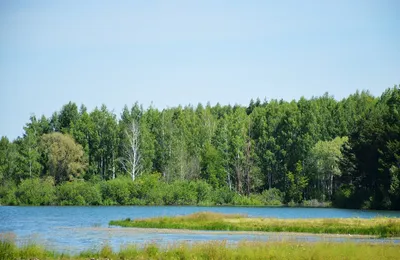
215,250
381,227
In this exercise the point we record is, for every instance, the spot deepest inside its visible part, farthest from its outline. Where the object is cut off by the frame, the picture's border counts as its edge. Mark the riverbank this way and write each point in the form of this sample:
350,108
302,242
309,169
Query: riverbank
381,227
213,250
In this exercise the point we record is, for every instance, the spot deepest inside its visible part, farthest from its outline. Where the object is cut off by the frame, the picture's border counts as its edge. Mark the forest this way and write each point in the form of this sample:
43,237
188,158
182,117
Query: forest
310,152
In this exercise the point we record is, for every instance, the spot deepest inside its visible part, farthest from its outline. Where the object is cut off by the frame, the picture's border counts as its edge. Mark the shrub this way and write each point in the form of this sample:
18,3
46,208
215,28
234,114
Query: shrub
315,203
223,196
8,194
273,197
204,192
69,193
117,190
179,193
79,193
252,200
344,197
36,191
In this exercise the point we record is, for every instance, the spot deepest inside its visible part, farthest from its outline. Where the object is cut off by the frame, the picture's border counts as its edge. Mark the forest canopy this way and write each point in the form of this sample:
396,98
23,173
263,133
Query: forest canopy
269,153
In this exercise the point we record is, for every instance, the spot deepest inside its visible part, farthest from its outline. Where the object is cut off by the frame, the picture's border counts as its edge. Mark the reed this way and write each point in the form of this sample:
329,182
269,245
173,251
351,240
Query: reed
216,250
381,227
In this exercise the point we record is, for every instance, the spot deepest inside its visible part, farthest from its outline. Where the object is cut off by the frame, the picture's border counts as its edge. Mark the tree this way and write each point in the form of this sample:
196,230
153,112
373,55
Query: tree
29,156
131,156
104,142
238,136
83,133
64,158
221,143
8,157
212,169
147,130
296,184
323,166
372,156
68,116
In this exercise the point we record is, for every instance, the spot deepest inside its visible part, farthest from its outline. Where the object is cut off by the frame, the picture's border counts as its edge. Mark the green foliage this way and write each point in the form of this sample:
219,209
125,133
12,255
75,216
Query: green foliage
79,193
323,166
252,200
320,149
382,227
203,192
272,197
8,249
212,169
116,191
8,194
315,204
344,195
296,184
224,196
64,158
180,193
214,250
36,192
371,158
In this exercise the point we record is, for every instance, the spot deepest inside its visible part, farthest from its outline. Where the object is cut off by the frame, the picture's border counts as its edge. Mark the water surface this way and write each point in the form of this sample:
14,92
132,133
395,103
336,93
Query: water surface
78,228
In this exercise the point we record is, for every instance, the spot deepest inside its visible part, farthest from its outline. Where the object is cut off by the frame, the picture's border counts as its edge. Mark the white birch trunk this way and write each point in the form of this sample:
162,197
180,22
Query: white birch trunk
131,160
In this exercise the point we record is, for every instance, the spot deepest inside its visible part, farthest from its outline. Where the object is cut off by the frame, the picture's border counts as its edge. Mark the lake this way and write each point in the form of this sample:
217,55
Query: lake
72,229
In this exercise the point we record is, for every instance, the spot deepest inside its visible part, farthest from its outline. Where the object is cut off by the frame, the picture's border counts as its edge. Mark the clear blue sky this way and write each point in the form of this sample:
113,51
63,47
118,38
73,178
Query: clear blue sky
186,52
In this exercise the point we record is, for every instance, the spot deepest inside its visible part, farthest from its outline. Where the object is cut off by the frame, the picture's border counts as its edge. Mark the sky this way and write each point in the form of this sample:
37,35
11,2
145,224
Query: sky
170,53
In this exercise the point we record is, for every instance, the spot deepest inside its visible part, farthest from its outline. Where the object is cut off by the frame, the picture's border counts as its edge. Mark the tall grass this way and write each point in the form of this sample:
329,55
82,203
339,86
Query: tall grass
28,250
217,250
382,227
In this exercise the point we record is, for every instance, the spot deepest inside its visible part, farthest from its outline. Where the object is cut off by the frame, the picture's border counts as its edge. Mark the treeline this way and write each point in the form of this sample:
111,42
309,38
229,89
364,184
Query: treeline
146,190
269,152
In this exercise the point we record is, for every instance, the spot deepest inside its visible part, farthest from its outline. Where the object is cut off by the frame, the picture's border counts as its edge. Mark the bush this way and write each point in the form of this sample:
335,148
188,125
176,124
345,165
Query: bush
203,192
223,196
272,197
79,193
69,194
315,203
116,191
145,186
252,200
8,194
91,194
180,193
345,197
36,191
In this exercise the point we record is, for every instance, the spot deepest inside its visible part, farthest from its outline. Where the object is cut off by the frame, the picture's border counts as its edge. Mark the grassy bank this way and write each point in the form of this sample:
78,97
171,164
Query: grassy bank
382,227
215,250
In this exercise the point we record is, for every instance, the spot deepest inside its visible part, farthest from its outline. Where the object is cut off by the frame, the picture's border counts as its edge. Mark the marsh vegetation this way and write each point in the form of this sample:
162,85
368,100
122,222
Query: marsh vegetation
382,227
211,250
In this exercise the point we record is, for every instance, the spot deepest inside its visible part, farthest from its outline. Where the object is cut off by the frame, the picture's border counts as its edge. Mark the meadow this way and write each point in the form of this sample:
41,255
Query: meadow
212,250
380,227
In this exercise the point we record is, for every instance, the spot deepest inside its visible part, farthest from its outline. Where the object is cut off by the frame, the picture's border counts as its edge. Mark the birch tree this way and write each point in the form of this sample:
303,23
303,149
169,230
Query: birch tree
131,155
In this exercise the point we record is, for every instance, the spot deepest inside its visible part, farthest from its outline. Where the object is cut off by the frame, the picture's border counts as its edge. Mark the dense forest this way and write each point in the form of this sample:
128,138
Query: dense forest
307,152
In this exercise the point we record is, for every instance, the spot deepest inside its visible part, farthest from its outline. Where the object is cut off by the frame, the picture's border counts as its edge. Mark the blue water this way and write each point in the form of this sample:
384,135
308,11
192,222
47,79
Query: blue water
78,228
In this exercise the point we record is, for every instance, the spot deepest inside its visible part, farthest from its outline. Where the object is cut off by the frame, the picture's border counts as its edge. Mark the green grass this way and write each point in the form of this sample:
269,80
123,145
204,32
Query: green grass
215,250
382,227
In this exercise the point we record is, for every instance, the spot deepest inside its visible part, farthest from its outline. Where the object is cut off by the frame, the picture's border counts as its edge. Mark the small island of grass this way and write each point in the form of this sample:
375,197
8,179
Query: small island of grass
381,227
